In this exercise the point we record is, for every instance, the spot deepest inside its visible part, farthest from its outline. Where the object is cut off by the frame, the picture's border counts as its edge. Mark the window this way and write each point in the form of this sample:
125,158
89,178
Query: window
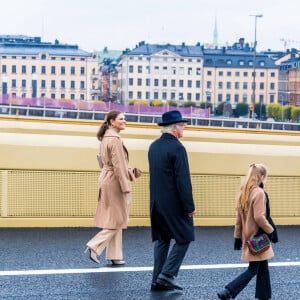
190,83
155,82
23,69
155,95
62,70
165,70
130,81
62,96
3,68
272,74
245,74
72,96
164,96
236,85
198,71
52,69
208,84
43,69
237,74
81,96
140,69
241,63
229,73
220,97
173,70
52,84
190,71
72,71
23,83
165,82
82,85
147,82
14,83
220,85
261,85
272,98
33,69
197,96
262,74
147,95
130,95
228,85
43,56
261,63
172,96
189,96
173,83
236,98
139,82
72,84
272,86
63,84
139,95
14,69
245,85
52,96
181,83
250,63
229,61
198,84
244,98
220,73
43,84
181,71
131,69
209,73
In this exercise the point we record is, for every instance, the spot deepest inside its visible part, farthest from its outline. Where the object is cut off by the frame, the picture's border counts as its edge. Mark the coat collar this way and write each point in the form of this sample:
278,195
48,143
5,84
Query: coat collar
111,133
168,136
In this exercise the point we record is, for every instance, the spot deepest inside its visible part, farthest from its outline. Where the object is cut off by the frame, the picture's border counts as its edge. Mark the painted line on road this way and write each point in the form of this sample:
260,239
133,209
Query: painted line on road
134,269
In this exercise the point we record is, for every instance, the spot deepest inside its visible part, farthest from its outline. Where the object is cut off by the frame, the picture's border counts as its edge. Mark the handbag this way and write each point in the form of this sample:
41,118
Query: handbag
258,244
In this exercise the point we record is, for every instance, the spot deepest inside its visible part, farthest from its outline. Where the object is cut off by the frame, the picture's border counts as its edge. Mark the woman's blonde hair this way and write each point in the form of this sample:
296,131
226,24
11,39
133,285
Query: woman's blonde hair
253,179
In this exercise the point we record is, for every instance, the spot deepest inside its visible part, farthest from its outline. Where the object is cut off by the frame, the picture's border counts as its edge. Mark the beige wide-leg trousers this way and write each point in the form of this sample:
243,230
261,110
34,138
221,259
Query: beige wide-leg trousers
111,239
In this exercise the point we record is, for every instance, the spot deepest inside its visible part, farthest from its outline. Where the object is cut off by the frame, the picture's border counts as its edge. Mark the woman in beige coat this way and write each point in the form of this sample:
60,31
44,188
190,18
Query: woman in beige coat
114,191
251,217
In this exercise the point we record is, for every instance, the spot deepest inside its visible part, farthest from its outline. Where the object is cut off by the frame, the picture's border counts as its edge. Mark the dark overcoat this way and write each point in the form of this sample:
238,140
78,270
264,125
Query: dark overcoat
171,198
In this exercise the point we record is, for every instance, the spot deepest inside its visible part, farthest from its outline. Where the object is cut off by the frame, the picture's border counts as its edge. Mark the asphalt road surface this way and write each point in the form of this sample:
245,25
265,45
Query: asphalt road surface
50,263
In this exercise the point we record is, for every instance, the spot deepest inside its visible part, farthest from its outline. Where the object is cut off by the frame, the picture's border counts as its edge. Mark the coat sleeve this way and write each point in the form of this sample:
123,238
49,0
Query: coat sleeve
238,229
183,179
120,164
259,211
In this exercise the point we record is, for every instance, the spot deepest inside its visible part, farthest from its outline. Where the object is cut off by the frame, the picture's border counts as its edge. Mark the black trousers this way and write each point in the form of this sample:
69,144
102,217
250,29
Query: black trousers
168,265
263,284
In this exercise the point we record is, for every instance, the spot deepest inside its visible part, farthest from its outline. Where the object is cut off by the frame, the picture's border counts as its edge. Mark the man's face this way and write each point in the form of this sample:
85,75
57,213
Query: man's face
178,129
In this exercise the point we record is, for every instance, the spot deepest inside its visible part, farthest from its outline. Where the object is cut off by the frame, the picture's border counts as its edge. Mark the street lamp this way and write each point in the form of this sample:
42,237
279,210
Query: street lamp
254,56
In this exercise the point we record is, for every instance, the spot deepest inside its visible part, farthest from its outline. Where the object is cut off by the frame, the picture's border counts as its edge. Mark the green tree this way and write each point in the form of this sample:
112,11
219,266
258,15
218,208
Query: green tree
241,109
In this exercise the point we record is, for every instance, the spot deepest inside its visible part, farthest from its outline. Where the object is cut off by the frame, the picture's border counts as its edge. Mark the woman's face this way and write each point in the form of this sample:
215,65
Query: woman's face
119,123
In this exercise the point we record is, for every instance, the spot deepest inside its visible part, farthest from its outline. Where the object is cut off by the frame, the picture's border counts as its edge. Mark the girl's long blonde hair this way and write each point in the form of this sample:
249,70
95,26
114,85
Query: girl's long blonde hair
253,179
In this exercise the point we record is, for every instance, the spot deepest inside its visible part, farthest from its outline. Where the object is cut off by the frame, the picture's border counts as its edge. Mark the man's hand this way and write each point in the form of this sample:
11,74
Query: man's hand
191,214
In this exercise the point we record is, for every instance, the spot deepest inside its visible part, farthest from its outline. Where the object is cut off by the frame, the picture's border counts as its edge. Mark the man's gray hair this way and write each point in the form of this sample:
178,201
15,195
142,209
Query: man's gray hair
168,128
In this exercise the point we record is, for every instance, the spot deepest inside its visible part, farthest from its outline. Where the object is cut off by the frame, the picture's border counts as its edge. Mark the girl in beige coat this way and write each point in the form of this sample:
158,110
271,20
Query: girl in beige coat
251,214
112,211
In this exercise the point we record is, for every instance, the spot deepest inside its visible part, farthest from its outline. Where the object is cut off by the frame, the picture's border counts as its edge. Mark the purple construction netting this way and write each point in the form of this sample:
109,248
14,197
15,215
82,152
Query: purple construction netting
101,106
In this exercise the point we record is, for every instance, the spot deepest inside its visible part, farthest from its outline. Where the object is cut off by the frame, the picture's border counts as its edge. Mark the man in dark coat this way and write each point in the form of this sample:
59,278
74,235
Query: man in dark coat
171,201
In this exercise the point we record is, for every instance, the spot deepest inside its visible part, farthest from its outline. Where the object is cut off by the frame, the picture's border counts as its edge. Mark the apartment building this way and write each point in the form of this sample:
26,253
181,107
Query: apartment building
228,76
194,73
32,68
161,72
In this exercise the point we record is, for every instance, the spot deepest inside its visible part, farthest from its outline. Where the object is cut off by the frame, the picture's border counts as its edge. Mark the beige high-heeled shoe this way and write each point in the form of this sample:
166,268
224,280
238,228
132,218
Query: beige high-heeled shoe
93,255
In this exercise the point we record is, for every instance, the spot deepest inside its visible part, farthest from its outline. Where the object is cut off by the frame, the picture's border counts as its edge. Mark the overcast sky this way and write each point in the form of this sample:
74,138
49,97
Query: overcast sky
121,24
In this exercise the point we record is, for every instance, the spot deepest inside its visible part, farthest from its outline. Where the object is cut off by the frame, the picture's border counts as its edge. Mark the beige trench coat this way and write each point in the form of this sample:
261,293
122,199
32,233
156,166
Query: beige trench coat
254,219
114,186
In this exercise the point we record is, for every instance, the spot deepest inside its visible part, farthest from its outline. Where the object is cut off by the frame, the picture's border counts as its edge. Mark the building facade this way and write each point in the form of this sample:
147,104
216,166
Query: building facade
193,73
32,68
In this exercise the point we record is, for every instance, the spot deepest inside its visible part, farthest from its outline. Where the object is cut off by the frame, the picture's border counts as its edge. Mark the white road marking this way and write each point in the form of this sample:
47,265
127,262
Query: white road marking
134,269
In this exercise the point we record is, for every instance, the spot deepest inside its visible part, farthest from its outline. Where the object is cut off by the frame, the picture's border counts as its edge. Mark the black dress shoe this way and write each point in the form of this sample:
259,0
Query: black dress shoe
224,295
168,285
156,287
